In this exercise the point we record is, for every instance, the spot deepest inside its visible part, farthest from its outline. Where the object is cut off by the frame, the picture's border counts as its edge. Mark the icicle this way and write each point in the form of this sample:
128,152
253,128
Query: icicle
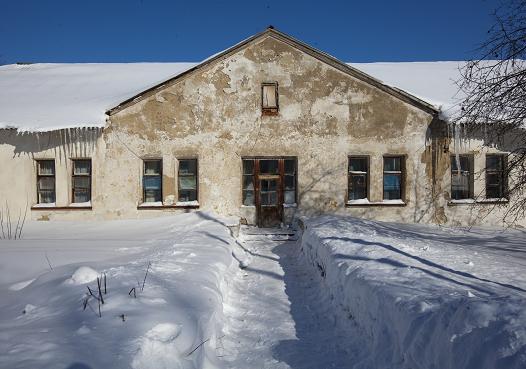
457,146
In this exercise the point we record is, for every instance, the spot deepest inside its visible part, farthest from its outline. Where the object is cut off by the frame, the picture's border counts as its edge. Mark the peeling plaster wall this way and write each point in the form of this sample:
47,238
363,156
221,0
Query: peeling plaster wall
214,114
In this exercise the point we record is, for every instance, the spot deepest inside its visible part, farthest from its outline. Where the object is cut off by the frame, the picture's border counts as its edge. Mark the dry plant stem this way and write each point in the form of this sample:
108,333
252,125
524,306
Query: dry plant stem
201,344
145,275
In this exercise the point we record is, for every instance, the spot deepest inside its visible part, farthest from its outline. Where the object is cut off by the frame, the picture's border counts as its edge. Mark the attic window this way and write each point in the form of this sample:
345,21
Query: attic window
269,98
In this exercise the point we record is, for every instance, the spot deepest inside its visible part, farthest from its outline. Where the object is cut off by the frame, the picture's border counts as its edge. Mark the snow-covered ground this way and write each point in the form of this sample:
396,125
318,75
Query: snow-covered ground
350,293
421,296
42,320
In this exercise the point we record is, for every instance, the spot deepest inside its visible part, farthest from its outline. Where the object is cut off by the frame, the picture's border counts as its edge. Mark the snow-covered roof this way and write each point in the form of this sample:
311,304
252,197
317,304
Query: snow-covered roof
44,97
433,82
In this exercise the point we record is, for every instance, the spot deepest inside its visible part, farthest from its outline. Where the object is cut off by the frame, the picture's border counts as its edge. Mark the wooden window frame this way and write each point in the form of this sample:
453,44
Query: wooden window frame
351,173
269,110
187,175
144,175
471,179
73,176
503,174
38,161
400,173
243,175
295,175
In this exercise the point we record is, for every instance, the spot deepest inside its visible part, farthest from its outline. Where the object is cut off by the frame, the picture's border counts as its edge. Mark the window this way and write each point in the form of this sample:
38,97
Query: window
81,186
46,181
496,179
248,182
289,177
269,98
358,177
152,181
393,177
461,177
187,177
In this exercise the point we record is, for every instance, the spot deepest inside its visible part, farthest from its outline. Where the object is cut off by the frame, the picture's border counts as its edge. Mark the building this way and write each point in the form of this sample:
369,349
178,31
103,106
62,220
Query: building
266,130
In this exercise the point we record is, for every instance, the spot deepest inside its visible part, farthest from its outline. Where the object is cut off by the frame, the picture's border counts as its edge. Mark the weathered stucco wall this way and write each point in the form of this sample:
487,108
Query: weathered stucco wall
214,114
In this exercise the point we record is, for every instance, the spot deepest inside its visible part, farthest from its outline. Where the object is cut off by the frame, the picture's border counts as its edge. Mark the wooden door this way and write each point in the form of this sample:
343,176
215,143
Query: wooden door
268,193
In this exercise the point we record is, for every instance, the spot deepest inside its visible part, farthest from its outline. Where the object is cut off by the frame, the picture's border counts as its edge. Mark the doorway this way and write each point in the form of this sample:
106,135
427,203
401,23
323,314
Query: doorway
269,184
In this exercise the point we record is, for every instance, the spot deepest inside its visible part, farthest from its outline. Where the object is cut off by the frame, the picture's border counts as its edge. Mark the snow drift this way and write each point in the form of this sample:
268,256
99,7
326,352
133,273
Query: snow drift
422,297
183,262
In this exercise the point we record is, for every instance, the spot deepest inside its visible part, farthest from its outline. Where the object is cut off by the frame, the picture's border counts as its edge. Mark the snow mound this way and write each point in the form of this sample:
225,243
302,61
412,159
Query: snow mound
83,275
157,348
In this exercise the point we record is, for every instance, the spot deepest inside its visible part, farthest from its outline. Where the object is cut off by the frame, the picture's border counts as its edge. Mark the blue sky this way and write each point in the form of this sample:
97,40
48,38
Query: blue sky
161,30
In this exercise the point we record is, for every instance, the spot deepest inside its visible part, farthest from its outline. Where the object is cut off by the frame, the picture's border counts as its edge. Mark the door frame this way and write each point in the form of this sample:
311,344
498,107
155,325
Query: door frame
281,189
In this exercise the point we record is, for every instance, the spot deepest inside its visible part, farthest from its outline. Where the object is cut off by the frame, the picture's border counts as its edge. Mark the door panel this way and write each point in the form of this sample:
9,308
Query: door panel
269,204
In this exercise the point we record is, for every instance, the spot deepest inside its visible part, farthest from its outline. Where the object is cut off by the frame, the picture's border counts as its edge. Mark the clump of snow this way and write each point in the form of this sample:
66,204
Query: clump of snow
83,275
28,309
83,330
157,349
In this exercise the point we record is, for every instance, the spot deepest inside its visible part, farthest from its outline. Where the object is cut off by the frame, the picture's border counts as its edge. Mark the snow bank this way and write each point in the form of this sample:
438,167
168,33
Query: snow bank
184,262
423,297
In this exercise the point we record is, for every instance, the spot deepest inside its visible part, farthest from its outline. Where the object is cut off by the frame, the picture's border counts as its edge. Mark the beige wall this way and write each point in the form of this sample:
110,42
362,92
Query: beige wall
214,115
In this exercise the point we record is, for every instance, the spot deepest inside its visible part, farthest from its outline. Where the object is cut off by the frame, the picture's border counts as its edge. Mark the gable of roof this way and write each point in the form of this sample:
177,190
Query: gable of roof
317,54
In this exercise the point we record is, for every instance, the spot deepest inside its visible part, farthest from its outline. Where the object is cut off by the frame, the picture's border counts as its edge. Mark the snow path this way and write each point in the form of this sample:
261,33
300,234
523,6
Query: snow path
275,314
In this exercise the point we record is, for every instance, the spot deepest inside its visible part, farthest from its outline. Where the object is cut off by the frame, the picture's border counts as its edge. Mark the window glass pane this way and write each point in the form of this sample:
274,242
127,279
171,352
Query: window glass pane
188,166
290,166
152,183
358,164
187,183
46,183
152,195
464,163
269,96
459,186
46,167
392,164
81,196
248,166
268,166
81,182
493,179
289,197
494,162
46,197
357,187
248,198
273,198
81,167
248,183
494,192
152,167
289,182
187,195
392,187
